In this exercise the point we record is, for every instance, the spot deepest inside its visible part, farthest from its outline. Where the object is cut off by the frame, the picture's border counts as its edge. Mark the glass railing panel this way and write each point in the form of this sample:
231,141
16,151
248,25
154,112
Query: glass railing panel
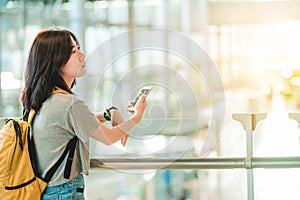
166,185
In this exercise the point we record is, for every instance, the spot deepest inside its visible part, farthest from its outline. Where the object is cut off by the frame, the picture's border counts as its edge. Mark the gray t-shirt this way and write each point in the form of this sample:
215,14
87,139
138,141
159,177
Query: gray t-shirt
61,117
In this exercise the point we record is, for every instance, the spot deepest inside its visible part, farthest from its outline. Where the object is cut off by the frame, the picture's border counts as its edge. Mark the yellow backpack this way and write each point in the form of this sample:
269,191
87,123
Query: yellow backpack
18,180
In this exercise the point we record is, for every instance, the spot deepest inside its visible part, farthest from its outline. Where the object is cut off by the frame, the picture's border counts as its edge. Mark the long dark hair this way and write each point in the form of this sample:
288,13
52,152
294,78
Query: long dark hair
50,51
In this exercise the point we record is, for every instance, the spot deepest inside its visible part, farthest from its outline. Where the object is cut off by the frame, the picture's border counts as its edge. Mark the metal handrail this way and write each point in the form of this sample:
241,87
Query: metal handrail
199,163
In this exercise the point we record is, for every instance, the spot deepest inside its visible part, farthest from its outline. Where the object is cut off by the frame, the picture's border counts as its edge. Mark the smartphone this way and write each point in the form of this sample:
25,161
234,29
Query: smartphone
143,91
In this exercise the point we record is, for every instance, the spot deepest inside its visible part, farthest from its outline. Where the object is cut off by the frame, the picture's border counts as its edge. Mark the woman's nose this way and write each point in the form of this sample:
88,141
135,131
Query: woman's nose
82,57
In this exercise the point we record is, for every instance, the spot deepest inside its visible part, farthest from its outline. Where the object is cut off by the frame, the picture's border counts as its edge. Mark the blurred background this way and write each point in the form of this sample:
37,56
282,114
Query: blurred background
254,45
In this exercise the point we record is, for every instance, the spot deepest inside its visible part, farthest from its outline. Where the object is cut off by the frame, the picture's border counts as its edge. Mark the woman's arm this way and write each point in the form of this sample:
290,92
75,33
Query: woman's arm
100,116
108,115
111,135
117,118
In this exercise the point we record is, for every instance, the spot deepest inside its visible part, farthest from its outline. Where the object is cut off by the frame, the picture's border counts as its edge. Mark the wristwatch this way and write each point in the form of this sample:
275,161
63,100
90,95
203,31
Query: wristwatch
107,115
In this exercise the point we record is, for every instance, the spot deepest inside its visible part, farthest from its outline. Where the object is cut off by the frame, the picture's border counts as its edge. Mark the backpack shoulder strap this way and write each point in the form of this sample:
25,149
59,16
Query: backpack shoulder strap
70,149
31,116
59,90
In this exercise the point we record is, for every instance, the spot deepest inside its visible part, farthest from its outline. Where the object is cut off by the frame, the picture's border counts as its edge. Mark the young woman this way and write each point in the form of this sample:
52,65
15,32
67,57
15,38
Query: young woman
54,62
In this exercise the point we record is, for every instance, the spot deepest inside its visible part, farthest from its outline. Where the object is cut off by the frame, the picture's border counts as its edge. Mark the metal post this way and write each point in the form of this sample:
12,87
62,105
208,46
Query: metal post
249,146
295,116
249,122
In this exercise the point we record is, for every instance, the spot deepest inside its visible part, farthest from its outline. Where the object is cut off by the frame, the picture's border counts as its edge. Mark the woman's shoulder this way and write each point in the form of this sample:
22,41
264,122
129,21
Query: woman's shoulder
65,97
62,100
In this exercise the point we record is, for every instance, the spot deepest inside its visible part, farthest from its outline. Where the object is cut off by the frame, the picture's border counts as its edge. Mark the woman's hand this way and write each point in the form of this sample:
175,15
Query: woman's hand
111,135
138,110
117,118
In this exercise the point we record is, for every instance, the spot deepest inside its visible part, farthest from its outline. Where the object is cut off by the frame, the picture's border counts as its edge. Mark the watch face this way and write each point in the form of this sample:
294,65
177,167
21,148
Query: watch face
107,115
